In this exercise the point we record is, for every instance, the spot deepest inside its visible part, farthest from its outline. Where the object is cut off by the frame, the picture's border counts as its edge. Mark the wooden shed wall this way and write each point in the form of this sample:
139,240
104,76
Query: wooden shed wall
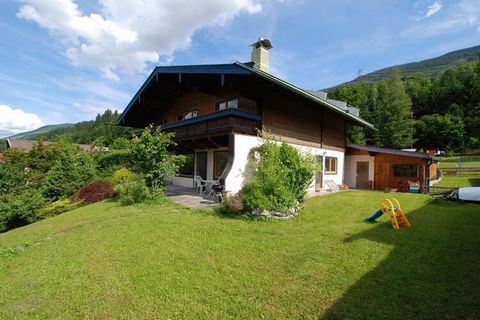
384,176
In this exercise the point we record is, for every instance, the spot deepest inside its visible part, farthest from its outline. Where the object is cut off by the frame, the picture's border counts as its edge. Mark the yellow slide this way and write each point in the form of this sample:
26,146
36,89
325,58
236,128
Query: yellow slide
397,216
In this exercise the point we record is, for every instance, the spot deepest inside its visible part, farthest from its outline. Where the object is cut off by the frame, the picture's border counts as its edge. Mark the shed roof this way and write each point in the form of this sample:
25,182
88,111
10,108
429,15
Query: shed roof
390,151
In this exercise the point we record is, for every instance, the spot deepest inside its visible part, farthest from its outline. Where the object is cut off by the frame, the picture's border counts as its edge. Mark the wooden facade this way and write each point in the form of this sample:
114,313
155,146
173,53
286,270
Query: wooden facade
385,175
300,121
205,103
288,112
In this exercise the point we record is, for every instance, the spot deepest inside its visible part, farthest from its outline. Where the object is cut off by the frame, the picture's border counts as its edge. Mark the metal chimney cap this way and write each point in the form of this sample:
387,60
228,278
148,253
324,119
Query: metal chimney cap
261,42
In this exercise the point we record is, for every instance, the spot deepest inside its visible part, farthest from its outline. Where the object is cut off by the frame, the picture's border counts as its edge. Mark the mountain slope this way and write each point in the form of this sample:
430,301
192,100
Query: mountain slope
41,130
430,67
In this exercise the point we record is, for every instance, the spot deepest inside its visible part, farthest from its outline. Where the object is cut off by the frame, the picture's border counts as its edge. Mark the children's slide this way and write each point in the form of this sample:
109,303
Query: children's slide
374,216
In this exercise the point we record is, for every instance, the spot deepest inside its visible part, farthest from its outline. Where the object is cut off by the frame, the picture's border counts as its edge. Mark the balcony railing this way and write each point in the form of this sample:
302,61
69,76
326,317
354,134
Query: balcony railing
225,121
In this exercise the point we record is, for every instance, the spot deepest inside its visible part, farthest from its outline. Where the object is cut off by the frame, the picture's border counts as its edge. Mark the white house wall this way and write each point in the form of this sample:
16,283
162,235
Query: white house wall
243,145
351,168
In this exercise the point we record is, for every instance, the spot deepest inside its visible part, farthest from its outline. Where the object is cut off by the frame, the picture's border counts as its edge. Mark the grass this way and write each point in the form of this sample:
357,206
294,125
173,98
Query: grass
460,180
466,162
165,261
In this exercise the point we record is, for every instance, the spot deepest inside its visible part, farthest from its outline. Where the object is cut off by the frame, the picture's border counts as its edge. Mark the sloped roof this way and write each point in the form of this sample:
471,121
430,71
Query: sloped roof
239,68
390,151
306,94
27,145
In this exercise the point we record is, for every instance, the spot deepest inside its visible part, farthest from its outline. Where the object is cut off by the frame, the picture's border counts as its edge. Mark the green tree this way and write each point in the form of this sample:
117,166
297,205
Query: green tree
101,131
13,172
437,131
70,173
418,88
150,154
393,114
361,96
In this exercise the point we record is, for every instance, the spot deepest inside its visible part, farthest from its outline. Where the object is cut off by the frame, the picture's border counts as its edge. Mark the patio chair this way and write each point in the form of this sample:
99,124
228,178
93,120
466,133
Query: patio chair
200,184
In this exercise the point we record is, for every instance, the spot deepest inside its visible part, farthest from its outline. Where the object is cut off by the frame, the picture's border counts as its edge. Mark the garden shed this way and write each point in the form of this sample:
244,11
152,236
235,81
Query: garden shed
368,167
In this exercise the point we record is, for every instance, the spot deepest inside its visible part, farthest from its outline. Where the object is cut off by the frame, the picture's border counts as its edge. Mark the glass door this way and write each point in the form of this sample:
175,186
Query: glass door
201,164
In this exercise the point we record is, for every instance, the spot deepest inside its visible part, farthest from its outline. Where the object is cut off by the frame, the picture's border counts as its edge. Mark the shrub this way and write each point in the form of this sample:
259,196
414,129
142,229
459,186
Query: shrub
150,154
96,191
277,177
20,210
122,175
56,208
70,173
132,192
113,158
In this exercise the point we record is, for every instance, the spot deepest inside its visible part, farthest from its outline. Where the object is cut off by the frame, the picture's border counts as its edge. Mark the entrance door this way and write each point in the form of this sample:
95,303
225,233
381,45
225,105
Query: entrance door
362,175
318,175
201,165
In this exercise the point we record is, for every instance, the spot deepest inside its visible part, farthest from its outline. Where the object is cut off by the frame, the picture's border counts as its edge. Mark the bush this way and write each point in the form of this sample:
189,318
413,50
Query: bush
151,155
20,210
96,191
70,173
113,158
122,175
132,192
277,177
56,208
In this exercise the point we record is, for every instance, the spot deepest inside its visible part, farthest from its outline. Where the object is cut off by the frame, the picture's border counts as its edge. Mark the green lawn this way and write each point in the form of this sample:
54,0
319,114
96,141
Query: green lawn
164,261
460,180
466,162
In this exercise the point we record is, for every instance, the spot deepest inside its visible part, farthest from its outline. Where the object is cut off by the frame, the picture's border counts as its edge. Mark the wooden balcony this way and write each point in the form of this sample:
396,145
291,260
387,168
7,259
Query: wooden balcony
214,124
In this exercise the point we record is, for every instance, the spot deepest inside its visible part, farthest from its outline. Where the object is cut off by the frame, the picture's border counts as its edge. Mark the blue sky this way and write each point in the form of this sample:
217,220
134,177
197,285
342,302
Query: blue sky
65,60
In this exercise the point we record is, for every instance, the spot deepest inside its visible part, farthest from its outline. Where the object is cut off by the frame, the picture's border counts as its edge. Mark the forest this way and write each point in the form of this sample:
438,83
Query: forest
417,111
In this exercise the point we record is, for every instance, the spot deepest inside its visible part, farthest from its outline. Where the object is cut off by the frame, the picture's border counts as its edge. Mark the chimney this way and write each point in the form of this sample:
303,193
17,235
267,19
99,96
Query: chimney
260,54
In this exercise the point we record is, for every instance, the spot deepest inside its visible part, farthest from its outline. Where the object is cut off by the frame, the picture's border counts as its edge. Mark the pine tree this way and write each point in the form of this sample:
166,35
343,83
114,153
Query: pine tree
70,173
393,114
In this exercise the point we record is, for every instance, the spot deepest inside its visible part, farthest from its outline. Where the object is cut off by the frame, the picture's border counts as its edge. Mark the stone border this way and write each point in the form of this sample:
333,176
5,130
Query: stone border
279,215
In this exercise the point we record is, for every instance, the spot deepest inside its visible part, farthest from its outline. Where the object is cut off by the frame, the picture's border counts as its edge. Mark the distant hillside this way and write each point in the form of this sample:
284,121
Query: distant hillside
430,67
42,130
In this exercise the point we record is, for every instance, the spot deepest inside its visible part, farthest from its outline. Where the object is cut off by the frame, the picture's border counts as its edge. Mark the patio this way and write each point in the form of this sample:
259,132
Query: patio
189,197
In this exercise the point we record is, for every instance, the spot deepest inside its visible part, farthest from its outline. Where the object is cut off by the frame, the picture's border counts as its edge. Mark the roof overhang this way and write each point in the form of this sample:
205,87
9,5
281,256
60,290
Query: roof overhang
237,68
390,151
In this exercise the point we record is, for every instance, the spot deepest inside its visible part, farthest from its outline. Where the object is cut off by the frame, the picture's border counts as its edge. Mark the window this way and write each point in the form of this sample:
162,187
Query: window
220,162
187,169
405,170
187,115
227,104
330,165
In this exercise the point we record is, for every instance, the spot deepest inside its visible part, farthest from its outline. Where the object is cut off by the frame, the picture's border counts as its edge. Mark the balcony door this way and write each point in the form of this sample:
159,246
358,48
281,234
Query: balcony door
201,164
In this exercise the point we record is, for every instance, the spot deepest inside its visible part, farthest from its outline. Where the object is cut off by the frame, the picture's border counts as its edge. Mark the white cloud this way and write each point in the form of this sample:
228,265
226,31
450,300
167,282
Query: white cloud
458,17
17,120
127,35
433,8
93,109
426,8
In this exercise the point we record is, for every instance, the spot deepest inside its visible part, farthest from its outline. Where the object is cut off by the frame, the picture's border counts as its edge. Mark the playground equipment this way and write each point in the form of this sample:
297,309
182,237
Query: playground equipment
392,207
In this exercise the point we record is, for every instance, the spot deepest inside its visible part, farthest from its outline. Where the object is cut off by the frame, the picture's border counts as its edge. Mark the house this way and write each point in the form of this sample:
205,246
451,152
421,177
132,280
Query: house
368,167
216,110
27,145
